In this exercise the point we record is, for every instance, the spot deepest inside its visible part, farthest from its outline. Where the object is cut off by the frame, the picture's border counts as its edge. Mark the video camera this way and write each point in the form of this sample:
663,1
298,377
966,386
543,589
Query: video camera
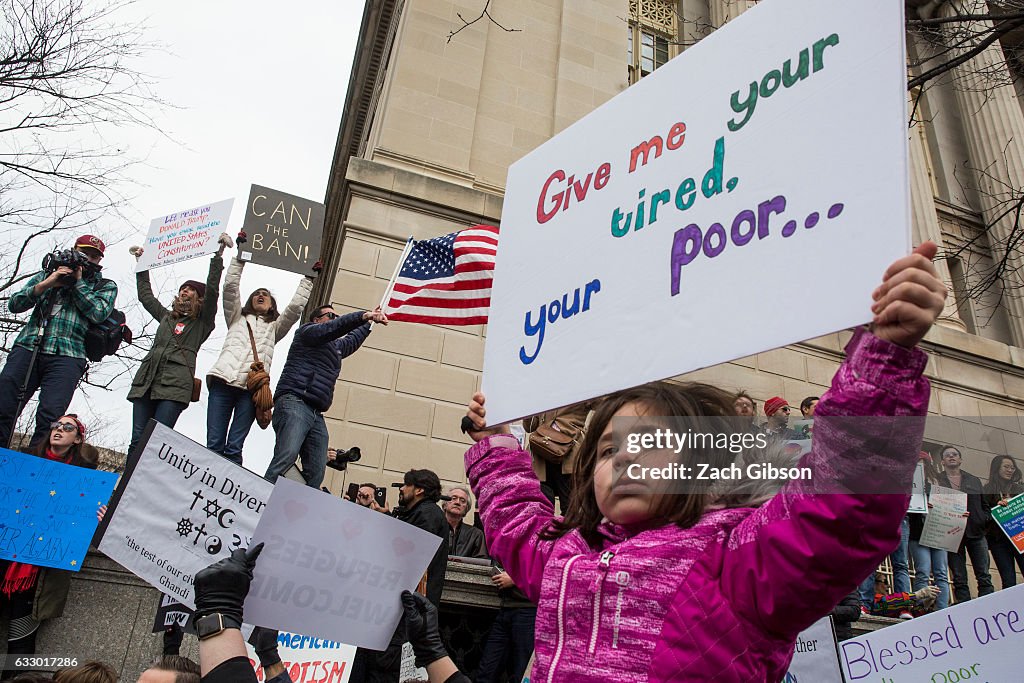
343,457
72,258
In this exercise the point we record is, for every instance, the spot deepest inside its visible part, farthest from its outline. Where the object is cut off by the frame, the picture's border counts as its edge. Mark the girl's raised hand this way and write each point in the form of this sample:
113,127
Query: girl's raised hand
910,298
476,413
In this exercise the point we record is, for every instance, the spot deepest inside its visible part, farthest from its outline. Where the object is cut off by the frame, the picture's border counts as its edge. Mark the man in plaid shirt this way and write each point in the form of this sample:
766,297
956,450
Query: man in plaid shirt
69,299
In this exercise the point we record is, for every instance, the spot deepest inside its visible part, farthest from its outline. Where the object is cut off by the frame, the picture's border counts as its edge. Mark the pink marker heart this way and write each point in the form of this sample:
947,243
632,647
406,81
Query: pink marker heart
294,510
402,546
351,528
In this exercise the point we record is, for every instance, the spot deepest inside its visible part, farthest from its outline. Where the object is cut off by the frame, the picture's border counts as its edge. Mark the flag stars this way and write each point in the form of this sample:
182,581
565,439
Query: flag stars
52,492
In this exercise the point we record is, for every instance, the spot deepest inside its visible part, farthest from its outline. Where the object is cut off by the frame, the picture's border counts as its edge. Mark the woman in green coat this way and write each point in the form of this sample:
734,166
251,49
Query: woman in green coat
163,386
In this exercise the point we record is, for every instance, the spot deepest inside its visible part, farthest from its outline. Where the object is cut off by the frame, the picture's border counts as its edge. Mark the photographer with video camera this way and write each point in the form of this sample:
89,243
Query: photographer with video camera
49,353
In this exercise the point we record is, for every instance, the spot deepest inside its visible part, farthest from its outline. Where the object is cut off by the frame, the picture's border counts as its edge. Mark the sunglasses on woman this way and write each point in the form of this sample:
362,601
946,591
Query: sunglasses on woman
64,426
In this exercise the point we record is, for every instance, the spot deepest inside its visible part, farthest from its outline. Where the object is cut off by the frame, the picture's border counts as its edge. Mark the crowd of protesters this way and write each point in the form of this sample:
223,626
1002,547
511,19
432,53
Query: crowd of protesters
617,542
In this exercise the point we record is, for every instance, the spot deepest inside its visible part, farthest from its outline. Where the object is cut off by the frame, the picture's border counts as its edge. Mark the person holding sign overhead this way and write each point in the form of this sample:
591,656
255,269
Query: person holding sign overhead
256,328
166,380
634,584
33,594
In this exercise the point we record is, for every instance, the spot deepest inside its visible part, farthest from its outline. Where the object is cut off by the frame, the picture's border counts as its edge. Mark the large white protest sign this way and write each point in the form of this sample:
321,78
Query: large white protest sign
179,509
334,569
184,235
309,660
946,522
815,656
979,640
666,230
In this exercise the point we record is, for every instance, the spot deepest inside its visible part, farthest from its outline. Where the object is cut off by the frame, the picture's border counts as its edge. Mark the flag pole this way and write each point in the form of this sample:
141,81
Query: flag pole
394,276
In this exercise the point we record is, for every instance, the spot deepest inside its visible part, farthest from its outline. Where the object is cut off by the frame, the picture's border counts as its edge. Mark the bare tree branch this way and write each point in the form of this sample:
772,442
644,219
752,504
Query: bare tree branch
485,12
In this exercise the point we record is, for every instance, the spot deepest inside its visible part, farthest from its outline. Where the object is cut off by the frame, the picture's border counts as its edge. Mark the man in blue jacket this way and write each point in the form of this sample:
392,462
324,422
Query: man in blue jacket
306,388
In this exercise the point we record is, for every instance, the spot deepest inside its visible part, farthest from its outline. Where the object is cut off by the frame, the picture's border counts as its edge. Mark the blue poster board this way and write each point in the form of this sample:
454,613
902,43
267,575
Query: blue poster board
48,509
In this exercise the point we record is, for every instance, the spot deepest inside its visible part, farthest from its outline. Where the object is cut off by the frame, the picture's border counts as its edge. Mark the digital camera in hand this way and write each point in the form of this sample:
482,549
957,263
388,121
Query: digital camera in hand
344,457
71,258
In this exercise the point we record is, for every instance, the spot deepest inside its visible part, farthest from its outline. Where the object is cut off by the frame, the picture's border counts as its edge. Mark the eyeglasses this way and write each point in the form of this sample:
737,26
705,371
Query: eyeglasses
64,426
328,315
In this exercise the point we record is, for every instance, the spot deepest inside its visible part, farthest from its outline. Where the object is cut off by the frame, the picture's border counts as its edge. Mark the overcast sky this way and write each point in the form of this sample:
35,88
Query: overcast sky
260,88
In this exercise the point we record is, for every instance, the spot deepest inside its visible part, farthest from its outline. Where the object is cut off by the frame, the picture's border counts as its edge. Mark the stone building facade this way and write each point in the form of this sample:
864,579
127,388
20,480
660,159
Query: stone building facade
431,125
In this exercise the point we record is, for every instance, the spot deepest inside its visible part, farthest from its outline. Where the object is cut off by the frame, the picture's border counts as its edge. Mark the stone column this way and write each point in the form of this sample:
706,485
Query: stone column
994,129
724,10
925,219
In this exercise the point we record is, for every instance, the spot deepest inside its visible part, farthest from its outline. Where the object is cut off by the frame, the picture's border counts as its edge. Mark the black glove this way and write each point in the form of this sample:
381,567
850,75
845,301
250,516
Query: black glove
264,641
222,587
421,624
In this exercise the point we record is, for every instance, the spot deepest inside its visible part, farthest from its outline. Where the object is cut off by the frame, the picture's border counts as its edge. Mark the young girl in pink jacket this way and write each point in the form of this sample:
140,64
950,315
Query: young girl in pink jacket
636,583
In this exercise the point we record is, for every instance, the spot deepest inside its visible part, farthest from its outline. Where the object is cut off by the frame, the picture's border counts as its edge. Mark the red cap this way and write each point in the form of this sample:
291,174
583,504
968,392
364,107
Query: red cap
91,242
81,425
774,405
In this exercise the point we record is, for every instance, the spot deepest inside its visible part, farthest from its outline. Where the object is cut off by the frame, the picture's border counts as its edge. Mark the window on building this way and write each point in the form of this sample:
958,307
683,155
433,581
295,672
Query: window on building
979,299
652,36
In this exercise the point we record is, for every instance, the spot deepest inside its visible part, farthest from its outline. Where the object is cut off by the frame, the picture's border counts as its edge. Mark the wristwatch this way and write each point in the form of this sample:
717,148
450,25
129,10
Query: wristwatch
212,624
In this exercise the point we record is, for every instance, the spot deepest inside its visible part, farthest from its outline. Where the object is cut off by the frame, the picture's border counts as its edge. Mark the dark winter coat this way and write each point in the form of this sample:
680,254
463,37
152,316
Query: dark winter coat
429,517
168,370
314,359
978,508
845,613
466,541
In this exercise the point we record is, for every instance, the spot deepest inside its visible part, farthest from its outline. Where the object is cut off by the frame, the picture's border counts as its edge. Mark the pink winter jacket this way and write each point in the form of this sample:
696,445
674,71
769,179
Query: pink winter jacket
725,599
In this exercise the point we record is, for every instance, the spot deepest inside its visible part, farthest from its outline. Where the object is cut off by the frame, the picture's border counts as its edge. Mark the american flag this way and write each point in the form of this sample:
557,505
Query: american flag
447,280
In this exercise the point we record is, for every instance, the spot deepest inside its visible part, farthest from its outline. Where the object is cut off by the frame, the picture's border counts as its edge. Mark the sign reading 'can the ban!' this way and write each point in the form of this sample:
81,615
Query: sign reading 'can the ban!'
284,231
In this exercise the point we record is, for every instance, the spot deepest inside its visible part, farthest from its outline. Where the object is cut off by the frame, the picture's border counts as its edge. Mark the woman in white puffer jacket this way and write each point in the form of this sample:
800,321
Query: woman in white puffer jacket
230,401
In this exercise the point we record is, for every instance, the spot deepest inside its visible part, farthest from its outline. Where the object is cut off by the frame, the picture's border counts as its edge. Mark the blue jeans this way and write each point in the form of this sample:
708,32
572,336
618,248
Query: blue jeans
225,401
1007,559
144,409
509,646
55,377
978,549
931,562
900,569
301,432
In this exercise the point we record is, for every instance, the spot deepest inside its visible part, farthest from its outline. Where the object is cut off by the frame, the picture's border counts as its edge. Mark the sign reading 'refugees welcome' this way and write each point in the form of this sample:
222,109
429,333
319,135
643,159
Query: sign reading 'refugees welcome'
283,231
653,236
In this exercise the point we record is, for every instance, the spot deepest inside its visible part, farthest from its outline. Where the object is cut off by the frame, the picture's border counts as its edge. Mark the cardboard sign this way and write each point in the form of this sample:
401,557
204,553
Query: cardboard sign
815,656
979,640
172,612
332,569
48,509
284,231
1011,520
179,509
946,522
918,498
184,235
309,660
652,237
